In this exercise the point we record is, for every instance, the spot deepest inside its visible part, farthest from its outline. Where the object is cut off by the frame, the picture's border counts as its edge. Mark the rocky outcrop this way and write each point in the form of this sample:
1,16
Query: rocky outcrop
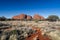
21,16
38,17
29,17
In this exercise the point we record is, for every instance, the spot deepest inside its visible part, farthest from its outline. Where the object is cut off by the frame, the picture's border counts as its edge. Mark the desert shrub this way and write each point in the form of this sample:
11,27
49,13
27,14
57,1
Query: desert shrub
14,32
53,18
36,21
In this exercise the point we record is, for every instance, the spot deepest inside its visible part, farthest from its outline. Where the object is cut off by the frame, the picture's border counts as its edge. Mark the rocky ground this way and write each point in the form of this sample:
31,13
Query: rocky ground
19,30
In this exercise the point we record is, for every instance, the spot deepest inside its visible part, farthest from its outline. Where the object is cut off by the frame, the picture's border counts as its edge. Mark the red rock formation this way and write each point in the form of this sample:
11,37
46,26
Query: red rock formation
29,17
38,17
15,17
21,16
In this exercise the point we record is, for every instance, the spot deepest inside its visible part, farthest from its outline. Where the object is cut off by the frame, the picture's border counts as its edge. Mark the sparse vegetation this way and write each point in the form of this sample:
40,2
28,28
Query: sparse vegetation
21,29
36,21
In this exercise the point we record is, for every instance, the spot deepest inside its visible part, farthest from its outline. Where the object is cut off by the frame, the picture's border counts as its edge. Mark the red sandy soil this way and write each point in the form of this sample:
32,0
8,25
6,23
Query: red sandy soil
37,35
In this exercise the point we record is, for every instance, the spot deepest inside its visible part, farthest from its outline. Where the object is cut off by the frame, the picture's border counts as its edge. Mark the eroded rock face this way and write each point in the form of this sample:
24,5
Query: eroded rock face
21,16
38,17
15,17
29,17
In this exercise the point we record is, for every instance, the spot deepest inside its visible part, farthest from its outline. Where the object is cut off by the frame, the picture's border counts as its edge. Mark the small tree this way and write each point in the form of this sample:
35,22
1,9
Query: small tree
2,18
53,18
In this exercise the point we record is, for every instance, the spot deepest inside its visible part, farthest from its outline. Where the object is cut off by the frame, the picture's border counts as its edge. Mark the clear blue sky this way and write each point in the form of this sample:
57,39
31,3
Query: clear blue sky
9,8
